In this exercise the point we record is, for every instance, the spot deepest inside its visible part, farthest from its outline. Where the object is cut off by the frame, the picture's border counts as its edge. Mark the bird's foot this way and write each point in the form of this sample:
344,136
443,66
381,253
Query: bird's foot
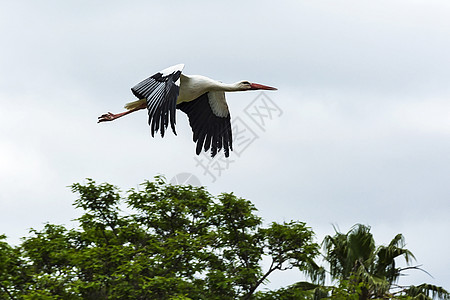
107,117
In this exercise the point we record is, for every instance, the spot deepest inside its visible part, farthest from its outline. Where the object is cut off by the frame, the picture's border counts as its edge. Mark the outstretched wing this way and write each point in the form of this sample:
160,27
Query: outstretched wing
209,118
161,92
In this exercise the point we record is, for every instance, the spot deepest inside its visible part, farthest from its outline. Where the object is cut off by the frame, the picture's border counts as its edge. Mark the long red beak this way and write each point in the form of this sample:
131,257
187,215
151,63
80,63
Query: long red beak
256,86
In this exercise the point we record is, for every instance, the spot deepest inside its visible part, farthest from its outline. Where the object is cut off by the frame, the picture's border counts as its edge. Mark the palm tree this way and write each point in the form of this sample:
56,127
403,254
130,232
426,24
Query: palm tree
354,258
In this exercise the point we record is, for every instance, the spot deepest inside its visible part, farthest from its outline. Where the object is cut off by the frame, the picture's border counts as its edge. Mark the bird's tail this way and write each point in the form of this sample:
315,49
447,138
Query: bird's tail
136,104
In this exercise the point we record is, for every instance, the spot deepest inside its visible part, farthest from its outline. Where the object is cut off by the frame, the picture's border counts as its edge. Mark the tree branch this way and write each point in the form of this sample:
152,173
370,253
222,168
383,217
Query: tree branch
261,280
6,291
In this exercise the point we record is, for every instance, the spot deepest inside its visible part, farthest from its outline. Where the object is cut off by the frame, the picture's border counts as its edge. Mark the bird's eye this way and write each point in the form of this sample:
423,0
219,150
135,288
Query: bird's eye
245,82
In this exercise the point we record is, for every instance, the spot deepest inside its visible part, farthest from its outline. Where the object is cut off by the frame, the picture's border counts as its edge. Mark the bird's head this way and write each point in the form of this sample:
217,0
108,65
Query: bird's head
245,85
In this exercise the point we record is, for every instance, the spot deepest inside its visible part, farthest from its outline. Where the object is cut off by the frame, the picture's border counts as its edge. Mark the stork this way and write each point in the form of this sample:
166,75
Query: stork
201,98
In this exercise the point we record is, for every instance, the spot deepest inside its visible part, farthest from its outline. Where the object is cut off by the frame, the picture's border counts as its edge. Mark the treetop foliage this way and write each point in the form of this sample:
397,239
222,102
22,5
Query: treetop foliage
180,242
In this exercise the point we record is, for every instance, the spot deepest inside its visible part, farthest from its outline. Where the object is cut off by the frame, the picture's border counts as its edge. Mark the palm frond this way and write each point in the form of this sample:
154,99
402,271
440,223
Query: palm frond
427,290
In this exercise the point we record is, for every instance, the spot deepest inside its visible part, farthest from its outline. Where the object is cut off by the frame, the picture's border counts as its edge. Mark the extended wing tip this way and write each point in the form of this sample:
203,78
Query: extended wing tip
178,67
172,69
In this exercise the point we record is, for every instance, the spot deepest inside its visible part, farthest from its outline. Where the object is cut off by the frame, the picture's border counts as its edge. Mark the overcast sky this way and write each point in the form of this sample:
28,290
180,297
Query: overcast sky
358,132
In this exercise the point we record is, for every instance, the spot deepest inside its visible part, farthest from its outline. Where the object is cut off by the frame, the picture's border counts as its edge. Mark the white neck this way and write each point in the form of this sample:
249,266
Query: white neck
227,87
192,86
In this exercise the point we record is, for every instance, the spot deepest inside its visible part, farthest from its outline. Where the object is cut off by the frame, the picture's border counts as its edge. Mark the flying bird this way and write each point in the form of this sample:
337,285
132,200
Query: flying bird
201,98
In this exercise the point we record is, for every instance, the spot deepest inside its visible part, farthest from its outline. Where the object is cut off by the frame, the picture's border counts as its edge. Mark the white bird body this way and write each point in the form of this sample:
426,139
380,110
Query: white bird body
193,86
201,98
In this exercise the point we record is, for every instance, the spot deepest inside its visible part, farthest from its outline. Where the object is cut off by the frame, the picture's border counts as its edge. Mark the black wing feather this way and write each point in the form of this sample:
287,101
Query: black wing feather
161,93
209,130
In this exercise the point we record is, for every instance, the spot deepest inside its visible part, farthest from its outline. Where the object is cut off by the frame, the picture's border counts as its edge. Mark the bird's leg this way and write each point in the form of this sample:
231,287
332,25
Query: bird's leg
111,117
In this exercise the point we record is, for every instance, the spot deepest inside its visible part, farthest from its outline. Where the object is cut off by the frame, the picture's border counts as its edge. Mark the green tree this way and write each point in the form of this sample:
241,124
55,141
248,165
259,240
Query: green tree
175,242
371,272
10,269
180,242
